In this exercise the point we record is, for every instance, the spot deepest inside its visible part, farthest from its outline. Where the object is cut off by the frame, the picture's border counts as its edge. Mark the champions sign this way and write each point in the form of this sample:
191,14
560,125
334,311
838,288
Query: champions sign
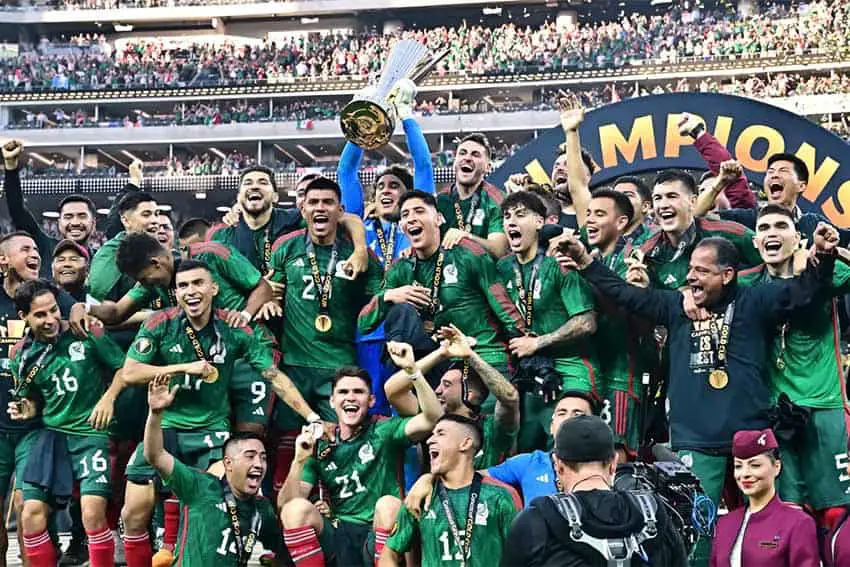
641,134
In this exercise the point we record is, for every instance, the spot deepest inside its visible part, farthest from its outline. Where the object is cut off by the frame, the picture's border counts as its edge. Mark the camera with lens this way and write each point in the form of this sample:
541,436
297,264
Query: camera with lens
537,375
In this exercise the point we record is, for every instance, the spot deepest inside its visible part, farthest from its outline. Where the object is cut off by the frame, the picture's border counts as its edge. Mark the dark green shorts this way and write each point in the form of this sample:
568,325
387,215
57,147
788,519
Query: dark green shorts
91,466
14,448
251,395
196,449
348,544
621,412
315,385
816,472
711,471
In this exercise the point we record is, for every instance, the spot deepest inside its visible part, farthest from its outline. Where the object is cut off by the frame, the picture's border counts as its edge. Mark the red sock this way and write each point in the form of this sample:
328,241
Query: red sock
303,546
39,549
137,550
285,456
381,537
101,548
170,523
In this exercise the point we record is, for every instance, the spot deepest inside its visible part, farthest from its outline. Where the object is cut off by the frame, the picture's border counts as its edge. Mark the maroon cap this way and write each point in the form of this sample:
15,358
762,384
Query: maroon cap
72,245
748,444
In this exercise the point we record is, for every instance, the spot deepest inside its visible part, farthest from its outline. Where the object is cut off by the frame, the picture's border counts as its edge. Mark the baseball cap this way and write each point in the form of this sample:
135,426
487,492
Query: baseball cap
69,244
748,444
584,439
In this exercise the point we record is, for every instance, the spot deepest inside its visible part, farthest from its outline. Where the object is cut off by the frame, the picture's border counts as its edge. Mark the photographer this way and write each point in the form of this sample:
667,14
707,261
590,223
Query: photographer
590,524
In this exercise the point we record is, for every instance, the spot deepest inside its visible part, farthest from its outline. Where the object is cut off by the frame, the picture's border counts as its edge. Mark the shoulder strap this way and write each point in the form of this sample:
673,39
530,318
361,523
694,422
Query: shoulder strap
570,508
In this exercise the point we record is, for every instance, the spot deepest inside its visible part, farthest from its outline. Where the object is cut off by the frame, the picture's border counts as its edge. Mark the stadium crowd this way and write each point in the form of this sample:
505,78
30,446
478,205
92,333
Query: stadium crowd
473,50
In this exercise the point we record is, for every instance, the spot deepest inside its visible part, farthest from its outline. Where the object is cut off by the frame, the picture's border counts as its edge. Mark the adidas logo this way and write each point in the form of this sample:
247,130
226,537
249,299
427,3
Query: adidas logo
102,480
299,263
543,478
258,411
670,279
331,467
177,349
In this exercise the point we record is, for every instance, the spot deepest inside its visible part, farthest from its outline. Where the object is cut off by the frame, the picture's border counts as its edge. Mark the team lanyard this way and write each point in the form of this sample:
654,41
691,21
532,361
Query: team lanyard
470,215
526,297
323,284
387,245
435,282
192,335
244,546
267,247
721,337
465,544
34,369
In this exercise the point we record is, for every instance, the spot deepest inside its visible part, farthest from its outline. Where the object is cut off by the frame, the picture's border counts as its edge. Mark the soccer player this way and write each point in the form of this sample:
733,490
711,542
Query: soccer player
439,286
139,213
65,374
640,196
805,366
573,168
359,467
320,305
165,232
559,314
471,206
223,518
462,389
194,344
468,521
76,212
71,268
192,231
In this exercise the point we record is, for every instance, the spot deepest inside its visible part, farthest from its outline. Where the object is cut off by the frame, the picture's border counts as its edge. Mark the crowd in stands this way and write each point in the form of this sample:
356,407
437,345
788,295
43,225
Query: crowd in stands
111,4
473,50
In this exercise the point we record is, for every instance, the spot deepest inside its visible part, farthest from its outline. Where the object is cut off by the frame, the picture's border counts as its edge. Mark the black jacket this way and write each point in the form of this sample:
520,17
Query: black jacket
540,535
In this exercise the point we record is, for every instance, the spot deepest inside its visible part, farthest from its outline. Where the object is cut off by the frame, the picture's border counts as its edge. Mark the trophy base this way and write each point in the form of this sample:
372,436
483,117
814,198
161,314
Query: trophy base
367,124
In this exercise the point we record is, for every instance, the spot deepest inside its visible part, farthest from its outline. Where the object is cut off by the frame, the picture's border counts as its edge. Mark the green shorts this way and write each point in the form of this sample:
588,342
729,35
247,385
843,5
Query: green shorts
315,385
535,421
711,472
621,411
816,473
251,395
347,544
90,465
196,449
14,448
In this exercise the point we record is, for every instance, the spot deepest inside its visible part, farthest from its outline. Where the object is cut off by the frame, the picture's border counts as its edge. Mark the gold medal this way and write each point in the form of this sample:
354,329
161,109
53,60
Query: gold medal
323,323
211,377
718,379
780,363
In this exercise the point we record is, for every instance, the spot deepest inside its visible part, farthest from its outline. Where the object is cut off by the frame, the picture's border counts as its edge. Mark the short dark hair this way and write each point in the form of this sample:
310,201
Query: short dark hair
428,198
726,252
550,201
258,169
307,177
471,424
800,167
352,371
194,227
621,203
774,209
15,234
586,158
322,183
526,199
682,177
77,198
480,139
191,264
132,200
135,253
399,171
642,188
239,436
30,290
591,399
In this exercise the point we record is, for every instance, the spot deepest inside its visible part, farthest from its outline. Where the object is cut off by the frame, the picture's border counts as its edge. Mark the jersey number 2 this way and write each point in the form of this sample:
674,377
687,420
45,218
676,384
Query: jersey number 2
309,293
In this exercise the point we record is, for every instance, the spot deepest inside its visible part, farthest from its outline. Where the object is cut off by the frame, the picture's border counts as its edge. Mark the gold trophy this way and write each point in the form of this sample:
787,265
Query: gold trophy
369,120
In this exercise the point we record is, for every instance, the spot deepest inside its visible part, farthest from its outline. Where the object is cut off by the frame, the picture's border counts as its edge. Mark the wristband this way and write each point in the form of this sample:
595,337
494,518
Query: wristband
697,130
313,417
88,308
414,375
247,316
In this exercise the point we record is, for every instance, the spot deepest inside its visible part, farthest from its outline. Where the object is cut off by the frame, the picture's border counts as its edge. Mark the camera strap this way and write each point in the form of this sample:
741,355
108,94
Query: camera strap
464,544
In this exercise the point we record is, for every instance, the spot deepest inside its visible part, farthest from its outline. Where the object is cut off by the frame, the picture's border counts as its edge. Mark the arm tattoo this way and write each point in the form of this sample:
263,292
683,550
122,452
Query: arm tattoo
575,328
284,388
504,391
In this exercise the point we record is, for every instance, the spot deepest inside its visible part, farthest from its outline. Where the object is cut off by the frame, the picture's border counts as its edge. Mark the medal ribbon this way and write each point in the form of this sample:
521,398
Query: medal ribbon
33,371
323,284
387,246
435,283
473,206
244,546
465,545
526,297
192,335
267,247
721,339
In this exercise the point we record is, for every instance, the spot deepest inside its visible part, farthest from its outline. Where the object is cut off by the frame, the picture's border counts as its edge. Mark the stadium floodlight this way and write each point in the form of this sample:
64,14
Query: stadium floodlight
492,11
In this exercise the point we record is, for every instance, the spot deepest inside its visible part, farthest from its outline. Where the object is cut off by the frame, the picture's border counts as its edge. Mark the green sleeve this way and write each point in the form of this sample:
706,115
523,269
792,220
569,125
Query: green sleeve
187,484
276,263
749,254
497,296
142,295
256,349
375,311
107,351
841,279
374,277
145,346
310,474
575,293
103,273
391,431
495,223
404,532
236,269
270,536
507,513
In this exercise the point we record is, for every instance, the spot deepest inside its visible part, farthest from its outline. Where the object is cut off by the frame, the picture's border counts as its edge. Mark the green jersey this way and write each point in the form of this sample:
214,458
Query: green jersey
480,214
470,296
805,357
669,265
105,282
497,445
302,343
235,275
69,377
358,471
163,340
497,505
206,530
256,245
557,295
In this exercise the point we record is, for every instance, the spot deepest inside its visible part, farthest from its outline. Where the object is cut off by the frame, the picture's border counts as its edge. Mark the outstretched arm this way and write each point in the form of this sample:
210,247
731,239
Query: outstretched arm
349,179
423,167
160,397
